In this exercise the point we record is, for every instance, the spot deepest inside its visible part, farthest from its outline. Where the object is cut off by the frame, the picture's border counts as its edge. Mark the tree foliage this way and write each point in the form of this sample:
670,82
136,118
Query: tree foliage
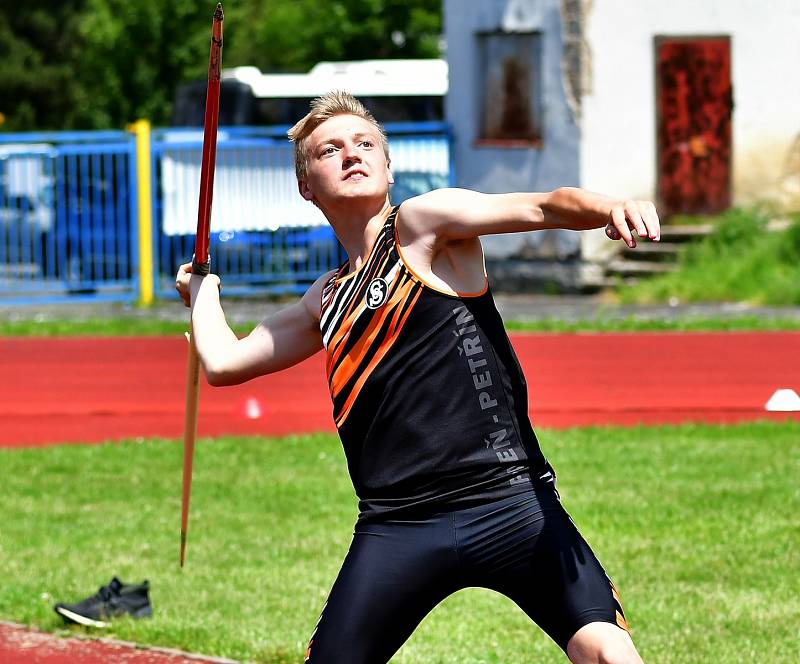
37,54
91,64
292,36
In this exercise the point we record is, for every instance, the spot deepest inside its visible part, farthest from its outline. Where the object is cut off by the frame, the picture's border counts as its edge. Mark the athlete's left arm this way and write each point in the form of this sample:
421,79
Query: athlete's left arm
460,214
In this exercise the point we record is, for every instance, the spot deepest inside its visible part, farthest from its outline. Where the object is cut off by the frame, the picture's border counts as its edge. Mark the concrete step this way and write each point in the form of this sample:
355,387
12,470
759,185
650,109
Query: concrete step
684,233
680,233
623,266
655,251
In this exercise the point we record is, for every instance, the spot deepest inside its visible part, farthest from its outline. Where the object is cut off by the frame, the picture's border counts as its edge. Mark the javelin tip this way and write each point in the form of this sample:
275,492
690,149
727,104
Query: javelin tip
183,546
218,15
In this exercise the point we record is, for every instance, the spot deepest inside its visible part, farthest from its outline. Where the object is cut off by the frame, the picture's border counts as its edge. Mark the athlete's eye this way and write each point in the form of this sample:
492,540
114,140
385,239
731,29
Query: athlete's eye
326,151
367,144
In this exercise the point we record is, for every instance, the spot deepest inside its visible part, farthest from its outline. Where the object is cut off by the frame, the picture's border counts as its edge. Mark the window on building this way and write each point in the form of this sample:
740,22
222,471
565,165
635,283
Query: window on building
510,89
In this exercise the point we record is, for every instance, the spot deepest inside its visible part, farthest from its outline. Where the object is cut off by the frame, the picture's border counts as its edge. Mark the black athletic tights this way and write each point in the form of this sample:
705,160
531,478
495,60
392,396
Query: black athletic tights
397,570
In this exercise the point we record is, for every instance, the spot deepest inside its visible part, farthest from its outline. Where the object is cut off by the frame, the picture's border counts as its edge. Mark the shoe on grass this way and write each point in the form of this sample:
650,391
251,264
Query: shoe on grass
111,601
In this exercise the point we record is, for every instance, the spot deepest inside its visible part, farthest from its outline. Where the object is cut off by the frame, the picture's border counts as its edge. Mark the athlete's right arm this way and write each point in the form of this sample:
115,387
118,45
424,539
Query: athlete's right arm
278,342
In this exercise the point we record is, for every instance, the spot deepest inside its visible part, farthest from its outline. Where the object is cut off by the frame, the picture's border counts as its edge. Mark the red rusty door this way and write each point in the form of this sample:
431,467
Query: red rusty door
694,104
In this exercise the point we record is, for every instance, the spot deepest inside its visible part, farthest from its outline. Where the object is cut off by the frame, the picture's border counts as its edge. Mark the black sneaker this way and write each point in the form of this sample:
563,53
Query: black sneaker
115,599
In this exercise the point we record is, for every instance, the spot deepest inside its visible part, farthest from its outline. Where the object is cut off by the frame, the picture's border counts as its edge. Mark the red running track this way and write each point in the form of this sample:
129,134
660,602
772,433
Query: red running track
88,390
19,645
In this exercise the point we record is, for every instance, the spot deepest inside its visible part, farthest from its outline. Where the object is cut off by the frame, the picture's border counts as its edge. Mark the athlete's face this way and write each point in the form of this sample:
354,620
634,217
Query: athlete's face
346,160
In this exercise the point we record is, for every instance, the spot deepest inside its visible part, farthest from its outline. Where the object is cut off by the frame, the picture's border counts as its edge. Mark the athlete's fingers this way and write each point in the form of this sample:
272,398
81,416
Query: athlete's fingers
182,282
621,224
634,216
650,216
184,295
611,232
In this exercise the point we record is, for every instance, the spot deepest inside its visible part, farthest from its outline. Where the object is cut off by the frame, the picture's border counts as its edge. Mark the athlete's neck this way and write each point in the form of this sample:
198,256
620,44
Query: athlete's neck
357,227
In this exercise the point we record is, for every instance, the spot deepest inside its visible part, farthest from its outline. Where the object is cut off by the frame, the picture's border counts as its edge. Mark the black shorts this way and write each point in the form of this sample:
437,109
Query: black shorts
397,570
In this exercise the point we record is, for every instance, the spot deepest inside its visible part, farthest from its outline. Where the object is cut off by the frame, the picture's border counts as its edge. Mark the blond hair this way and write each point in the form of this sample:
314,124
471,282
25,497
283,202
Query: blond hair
336,102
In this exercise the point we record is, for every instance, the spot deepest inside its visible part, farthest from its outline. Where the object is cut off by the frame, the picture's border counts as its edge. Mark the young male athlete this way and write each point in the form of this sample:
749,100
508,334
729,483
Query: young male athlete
428,397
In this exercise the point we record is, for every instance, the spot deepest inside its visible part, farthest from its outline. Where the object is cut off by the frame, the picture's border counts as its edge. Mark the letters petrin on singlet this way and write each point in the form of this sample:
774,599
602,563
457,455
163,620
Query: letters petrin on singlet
471,348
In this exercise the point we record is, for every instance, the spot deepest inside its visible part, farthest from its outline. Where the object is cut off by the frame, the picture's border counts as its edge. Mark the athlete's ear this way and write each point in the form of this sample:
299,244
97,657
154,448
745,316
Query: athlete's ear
305,190
389,171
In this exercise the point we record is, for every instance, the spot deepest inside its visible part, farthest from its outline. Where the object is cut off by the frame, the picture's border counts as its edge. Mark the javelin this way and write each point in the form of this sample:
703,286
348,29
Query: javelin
201,261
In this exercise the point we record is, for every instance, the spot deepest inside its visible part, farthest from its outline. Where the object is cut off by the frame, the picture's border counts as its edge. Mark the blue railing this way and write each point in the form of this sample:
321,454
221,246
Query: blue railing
67,215
265,237
68,210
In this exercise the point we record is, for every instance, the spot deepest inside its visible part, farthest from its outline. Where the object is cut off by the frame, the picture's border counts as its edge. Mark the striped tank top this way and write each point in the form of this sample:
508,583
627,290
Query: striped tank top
428,396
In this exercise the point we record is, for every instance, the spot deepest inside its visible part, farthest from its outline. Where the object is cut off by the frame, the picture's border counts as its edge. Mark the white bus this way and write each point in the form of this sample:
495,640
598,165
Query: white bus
393,90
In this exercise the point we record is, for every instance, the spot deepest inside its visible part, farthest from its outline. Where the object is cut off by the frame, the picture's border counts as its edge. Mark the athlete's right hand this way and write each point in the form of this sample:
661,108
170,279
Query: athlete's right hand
184,279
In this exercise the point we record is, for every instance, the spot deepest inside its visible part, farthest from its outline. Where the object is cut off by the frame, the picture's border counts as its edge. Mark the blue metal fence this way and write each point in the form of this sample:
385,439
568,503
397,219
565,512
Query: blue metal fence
67,216
68,210
265,237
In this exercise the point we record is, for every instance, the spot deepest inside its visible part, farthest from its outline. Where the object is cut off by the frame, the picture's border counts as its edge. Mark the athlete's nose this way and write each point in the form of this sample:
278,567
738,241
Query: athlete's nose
350,155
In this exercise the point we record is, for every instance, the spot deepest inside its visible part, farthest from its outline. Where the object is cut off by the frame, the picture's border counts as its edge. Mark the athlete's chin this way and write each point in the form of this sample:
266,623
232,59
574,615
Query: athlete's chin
361,193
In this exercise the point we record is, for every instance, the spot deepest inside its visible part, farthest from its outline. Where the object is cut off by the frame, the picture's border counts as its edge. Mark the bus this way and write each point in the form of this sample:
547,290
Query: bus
393,90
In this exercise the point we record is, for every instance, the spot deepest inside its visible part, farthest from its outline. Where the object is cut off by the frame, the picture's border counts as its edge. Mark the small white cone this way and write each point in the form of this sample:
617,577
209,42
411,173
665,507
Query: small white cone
252,408
784,400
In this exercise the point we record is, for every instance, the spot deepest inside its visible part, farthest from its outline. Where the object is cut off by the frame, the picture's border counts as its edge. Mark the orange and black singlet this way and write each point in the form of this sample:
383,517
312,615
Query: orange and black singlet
428,396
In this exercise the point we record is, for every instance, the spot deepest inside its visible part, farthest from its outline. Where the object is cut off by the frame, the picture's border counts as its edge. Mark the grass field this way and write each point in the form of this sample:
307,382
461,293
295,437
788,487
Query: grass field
698,526
156,327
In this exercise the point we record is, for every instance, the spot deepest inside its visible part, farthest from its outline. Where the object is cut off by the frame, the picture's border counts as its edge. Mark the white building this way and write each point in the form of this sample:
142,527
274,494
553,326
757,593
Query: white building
692,103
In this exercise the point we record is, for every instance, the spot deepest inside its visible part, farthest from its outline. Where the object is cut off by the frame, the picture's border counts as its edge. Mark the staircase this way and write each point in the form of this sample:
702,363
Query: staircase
652,258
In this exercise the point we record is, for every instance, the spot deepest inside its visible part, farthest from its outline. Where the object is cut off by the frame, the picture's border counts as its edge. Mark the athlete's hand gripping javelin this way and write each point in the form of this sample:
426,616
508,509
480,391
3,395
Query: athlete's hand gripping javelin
281,340
183,282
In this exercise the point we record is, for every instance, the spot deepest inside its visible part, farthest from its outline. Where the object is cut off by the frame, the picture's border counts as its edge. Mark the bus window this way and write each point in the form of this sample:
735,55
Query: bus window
236,104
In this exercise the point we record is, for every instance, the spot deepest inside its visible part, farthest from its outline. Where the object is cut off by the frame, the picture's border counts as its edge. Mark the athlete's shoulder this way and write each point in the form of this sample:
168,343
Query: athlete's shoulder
436,201
432,214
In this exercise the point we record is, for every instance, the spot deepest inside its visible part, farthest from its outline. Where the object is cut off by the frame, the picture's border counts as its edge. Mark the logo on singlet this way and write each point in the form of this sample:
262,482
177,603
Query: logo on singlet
377,292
